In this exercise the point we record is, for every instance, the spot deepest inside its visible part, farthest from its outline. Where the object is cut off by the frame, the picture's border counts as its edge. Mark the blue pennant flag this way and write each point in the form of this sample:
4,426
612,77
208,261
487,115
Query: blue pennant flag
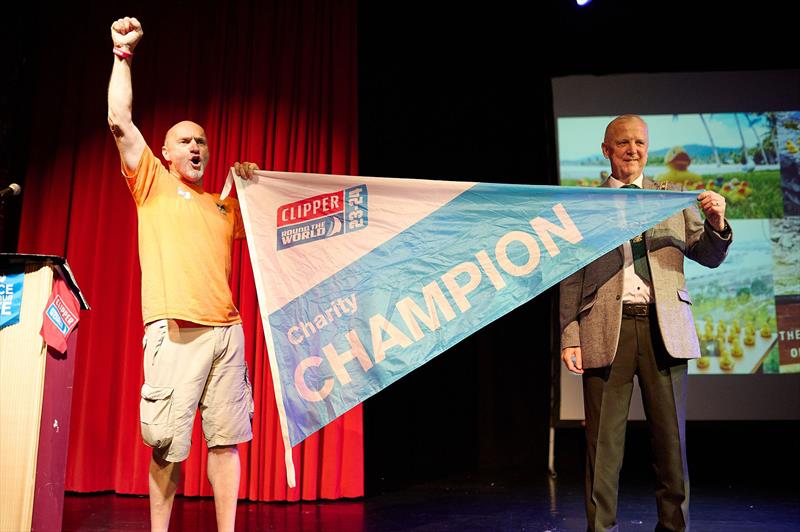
361,280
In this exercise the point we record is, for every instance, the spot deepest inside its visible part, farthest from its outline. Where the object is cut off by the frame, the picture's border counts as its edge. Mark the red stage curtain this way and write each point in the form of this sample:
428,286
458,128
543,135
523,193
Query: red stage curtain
271,82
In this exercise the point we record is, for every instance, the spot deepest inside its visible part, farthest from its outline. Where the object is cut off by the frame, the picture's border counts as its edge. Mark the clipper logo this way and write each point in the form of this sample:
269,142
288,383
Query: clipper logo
61,316
323,216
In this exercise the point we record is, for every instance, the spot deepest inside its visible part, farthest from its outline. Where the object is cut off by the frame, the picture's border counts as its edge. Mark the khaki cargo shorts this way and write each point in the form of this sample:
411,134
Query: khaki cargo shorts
189,367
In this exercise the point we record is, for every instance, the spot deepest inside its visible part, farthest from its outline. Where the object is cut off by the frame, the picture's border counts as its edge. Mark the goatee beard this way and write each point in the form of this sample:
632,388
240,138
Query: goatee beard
195,175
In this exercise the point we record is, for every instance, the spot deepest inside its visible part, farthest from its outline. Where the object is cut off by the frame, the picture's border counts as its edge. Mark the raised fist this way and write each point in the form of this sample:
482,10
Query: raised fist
126,33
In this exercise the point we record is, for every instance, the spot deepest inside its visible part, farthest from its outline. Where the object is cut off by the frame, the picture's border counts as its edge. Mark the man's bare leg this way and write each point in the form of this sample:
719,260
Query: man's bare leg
223,472
163,481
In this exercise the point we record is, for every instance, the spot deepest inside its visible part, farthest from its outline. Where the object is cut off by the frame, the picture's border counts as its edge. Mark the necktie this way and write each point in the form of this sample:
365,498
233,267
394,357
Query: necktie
639,252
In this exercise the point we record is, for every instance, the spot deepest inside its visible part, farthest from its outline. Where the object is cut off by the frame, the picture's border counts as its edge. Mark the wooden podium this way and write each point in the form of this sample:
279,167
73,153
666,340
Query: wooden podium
35,401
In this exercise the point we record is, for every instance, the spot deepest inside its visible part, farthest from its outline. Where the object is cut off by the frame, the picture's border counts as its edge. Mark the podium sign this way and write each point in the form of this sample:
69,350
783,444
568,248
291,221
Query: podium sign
10,298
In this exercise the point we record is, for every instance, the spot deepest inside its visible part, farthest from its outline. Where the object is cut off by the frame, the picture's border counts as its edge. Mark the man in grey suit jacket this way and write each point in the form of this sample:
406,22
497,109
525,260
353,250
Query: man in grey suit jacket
629,313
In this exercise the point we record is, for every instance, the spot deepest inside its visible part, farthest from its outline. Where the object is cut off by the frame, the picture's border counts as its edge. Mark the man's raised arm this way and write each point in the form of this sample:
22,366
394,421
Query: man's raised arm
126,33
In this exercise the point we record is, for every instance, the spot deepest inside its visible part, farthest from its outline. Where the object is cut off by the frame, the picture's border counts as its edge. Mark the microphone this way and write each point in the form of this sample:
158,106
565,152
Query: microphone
12,189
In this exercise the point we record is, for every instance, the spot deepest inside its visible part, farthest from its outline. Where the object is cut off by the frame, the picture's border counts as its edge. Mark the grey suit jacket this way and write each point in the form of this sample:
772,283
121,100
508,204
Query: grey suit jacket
591,298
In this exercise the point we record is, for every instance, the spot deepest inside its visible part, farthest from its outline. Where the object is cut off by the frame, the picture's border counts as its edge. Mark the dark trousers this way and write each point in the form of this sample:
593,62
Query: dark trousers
607,394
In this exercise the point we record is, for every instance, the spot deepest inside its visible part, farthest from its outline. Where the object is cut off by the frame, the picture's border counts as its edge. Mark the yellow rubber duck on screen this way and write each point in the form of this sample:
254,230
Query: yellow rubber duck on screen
678,161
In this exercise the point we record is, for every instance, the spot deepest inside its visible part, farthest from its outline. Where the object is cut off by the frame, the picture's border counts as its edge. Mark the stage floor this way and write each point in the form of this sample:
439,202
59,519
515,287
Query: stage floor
463,504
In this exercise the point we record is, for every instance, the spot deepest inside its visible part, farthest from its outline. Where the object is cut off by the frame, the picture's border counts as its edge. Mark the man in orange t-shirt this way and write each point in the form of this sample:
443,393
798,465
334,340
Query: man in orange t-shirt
194,343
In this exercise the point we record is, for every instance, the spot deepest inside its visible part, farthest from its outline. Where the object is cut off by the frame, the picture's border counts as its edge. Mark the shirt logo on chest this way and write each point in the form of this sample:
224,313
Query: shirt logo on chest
185,194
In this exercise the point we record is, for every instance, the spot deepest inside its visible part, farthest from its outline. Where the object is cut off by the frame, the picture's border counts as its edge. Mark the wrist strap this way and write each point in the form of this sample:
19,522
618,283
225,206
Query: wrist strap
119,52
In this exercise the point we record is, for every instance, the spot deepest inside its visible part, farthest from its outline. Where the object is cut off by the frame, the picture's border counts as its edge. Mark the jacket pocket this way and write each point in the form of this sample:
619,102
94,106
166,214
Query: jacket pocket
588,297
155,409
684,296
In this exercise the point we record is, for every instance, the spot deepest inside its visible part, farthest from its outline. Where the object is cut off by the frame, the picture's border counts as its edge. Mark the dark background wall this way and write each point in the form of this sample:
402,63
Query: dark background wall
455,92
17,66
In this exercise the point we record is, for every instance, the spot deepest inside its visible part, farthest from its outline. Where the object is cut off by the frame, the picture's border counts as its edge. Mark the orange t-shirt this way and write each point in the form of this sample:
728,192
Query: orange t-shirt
185,242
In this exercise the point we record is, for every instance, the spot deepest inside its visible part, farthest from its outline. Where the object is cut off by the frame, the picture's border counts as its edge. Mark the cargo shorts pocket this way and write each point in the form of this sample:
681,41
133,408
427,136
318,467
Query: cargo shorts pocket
248,394
154,414
154,335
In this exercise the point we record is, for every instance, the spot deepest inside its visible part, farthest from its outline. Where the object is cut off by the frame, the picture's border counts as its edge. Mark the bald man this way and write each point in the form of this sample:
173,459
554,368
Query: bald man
629,313
194,343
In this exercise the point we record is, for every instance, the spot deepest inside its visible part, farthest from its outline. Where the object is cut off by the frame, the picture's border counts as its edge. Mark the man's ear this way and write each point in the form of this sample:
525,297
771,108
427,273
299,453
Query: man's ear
604,150
165,153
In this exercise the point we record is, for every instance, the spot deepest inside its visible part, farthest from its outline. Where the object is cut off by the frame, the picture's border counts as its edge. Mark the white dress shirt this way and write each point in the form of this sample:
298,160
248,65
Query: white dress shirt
634,288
